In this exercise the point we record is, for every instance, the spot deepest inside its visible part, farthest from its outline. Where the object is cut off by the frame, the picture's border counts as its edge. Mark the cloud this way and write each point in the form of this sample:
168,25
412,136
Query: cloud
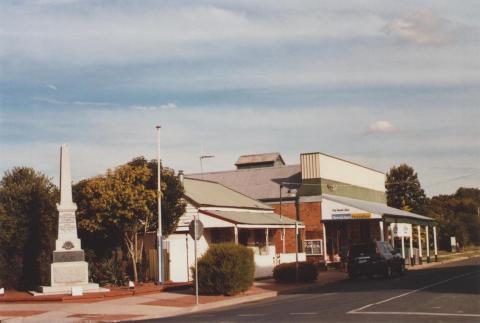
156,32
105,138
168,106
421,27
67,103
381,126
51,87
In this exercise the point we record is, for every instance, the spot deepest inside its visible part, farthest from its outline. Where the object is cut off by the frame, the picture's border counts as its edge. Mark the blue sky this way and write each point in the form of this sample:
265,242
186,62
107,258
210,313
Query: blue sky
376,82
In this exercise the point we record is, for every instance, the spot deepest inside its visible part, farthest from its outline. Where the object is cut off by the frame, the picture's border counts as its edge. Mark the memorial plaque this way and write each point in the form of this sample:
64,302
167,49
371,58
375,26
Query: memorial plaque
67,224
66,256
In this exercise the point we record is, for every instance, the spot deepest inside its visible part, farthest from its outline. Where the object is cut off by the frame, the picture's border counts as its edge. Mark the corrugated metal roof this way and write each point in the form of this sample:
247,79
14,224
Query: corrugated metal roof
377,208
258,183
252,218
259,158
208,193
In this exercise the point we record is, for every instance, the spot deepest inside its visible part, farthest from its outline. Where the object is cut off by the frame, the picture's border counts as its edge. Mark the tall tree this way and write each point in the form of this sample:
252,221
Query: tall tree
404,190
457,216
28,219
123,204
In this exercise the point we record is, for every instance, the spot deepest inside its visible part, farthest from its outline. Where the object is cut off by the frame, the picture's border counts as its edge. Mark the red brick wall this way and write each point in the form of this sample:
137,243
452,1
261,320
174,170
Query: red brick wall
310,215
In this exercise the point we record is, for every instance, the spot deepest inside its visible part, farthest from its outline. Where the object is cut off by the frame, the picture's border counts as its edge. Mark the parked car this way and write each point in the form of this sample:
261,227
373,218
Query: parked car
374,258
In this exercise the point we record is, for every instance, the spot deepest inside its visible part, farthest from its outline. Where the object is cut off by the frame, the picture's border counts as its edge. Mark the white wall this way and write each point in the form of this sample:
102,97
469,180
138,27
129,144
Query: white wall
291,257
182,256
317,165
180,252
264,265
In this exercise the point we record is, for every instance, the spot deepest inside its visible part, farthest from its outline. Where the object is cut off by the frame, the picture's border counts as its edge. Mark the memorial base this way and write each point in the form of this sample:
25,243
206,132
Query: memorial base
62,290
65,275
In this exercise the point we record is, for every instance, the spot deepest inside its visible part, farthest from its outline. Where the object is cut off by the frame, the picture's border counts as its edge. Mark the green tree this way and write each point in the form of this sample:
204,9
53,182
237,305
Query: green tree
457,216
123,205
404,190
28,220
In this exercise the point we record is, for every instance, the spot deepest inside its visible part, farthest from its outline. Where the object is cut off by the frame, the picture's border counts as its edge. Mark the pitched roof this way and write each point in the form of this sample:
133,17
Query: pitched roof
258,183
209,193
378,208
252,218
259,158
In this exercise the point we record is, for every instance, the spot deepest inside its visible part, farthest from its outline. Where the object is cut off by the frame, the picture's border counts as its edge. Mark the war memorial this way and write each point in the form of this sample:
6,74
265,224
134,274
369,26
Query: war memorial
69,270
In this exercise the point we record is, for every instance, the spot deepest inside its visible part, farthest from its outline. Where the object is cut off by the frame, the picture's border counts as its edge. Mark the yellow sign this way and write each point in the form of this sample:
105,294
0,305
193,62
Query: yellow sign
361,215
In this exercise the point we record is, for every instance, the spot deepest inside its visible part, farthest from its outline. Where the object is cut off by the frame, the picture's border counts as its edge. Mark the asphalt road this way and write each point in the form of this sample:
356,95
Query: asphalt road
446,293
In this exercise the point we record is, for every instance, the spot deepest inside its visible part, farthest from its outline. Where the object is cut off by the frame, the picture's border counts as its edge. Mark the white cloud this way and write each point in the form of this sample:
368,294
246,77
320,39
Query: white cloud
299,68
168,106
105,138
381,126
119,35
51,87
223,45
421,27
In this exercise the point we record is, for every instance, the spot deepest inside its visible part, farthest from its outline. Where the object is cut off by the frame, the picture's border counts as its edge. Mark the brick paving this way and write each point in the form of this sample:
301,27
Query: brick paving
8,314
147,301
104,317
190,300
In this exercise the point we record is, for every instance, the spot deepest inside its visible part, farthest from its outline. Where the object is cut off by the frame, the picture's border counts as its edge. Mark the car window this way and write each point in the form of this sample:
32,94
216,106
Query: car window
362,250
386,248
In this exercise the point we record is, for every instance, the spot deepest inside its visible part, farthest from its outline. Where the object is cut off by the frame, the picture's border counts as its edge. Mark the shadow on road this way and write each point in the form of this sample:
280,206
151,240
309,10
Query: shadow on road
410,281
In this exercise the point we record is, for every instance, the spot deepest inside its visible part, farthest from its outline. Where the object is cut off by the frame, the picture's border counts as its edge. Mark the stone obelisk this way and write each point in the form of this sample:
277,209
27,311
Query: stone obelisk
69,268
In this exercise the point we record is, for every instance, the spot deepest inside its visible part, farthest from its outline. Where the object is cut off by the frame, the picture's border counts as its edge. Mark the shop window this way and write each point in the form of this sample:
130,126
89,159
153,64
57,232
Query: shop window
313,247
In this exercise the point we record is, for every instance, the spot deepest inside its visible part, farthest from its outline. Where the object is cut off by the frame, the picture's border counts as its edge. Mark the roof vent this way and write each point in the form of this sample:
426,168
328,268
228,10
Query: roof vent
260,160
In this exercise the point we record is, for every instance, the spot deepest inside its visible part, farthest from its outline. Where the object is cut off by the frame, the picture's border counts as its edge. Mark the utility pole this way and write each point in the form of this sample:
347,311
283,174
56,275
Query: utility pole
159,205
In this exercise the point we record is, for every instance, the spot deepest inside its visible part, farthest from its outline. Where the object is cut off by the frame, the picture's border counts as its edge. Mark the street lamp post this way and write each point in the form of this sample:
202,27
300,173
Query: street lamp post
159,205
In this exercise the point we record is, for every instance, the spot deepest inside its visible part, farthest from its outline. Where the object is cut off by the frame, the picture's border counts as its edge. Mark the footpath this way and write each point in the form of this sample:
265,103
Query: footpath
150,301
139,304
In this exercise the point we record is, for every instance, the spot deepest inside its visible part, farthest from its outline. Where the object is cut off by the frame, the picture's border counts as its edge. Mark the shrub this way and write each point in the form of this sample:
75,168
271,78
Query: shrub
286,273
108,272
226,269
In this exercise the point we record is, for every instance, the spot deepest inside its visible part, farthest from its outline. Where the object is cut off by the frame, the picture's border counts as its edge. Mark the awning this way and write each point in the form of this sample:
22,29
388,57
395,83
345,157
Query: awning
388,213
254,219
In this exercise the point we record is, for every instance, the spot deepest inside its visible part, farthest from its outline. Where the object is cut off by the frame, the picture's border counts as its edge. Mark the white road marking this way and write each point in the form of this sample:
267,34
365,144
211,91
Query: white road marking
419,313
357,310
305,313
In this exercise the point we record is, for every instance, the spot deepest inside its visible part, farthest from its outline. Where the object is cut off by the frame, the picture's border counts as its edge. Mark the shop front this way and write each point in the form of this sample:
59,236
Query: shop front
345,225
347,221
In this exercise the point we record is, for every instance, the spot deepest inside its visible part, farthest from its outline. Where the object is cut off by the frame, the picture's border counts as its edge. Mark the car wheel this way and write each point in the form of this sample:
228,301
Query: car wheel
388,272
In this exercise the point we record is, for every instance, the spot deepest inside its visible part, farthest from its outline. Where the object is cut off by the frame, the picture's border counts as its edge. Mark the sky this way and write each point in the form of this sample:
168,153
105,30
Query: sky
379,83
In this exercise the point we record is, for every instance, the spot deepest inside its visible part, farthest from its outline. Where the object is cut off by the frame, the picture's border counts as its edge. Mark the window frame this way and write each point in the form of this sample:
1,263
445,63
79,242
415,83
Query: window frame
312,248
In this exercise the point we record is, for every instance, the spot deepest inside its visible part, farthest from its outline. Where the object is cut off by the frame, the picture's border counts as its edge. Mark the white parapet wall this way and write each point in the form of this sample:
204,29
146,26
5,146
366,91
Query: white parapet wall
318,165
291,257
264,265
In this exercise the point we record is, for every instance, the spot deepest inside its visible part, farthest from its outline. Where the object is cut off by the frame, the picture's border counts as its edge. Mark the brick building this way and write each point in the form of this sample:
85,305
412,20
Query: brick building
340,202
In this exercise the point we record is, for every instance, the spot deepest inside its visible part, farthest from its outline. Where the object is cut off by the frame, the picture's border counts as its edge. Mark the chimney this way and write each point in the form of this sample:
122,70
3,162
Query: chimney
180,176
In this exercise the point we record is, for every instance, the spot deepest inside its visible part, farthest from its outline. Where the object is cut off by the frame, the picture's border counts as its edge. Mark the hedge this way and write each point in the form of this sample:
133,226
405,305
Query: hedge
225,269
286,273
